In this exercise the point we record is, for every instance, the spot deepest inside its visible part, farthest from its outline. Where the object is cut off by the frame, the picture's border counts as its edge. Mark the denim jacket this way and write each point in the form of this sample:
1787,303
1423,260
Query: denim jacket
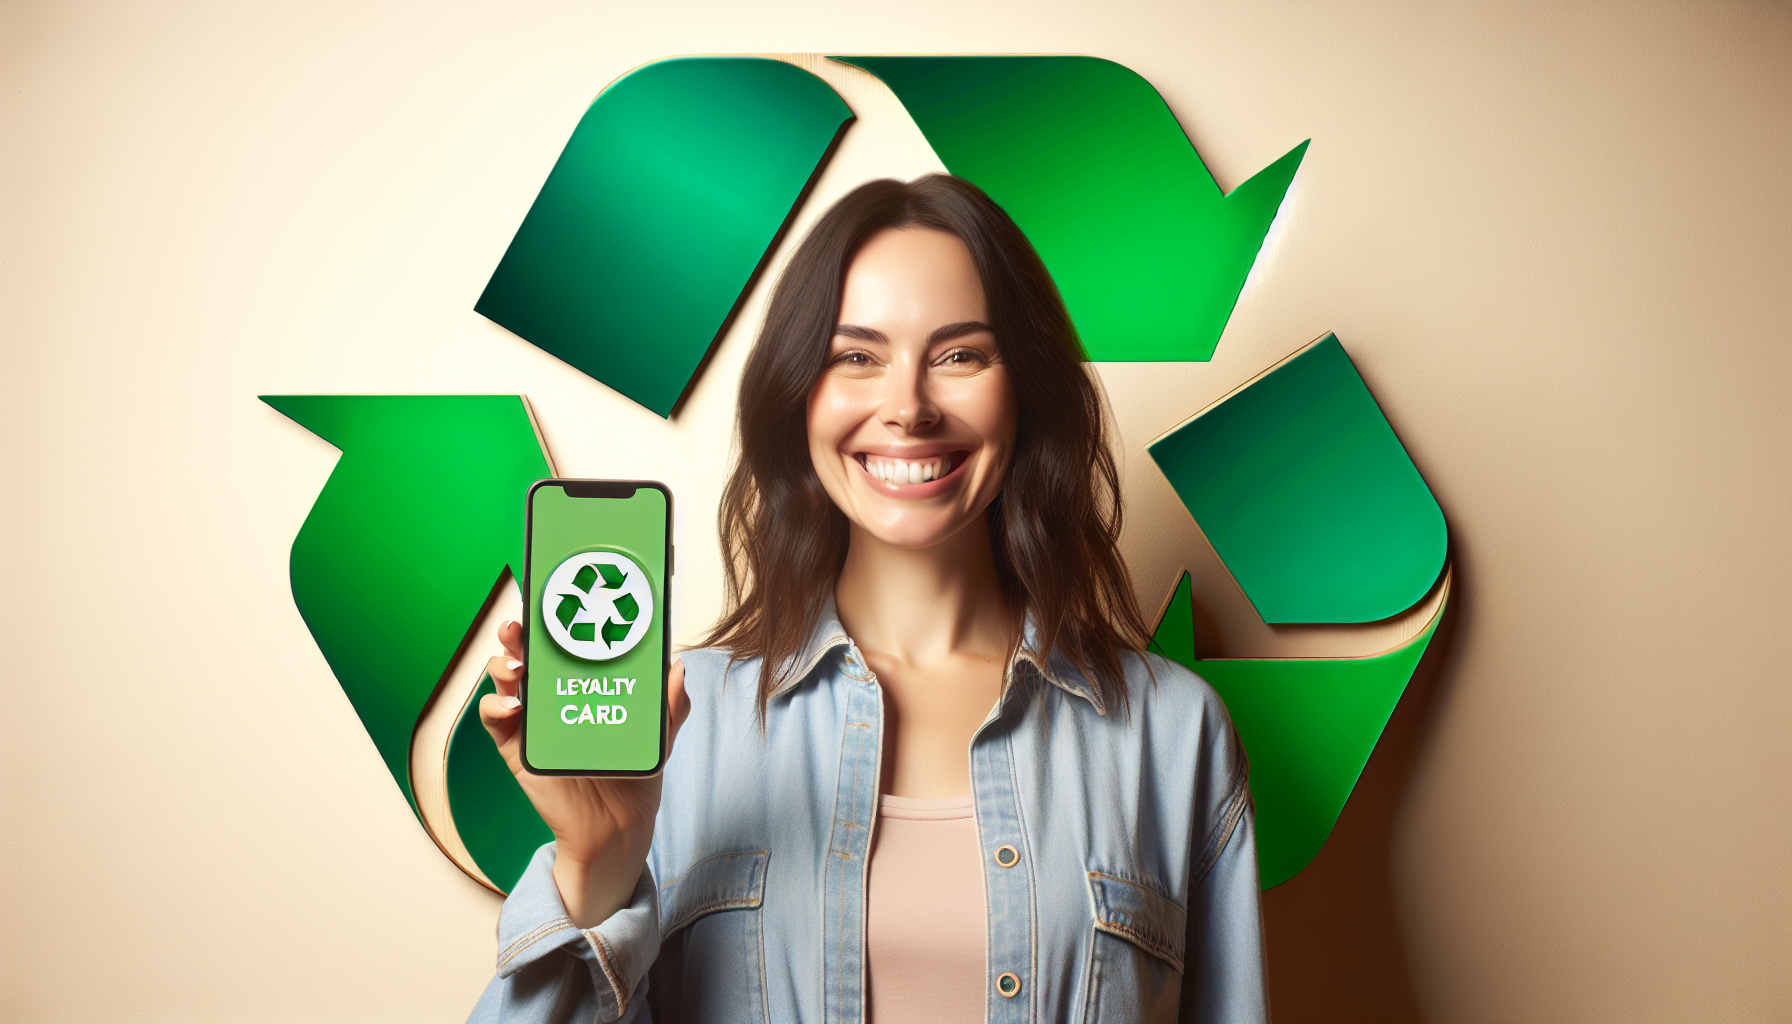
1130,891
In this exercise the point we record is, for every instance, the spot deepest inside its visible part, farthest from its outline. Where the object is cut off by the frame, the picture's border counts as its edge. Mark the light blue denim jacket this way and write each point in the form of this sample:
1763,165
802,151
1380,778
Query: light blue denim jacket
1133,898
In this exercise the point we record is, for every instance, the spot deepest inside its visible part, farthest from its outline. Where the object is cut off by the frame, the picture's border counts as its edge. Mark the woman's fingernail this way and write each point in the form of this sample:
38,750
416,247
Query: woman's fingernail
510,702
513,664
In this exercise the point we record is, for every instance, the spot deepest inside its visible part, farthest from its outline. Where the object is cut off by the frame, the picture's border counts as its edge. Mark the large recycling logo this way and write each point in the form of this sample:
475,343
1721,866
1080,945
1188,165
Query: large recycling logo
648,233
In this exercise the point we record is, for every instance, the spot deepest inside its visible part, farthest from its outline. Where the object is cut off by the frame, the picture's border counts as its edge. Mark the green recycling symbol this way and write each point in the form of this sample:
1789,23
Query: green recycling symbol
671,194
596,622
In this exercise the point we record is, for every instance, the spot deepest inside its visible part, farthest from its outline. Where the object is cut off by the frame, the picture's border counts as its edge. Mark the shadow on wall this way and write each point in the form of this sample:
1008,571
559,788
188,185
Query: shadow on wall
1331,936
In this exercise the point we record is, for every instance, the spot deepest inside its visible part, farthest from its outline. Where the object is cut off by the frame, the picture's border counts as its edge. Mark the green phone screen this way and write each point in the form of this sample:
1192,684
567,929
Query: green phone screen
597,648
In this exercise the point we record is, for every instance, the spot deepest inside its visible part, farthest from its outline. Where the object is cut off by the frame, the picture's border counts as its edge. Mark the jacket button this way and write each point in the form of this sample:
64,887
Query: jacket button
1008,985
1007,856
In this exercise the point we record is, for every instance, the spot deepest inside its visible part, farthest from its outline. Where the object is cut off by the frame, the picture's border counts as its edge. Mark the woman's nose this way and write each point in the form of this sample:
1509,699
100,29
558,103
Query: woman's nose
906,404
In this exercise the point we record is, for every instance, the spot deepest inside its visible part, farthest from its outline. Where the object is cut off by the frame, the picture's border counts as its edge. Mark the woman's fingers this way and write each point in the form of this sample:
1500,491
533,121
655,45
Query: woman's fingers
506,673
501,712
510,634
500,719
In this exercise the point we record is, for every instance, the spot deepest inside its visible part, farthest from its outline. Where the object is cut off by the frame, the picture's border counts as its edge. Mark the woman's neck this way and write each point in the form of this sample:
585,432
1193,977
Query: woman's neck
920,606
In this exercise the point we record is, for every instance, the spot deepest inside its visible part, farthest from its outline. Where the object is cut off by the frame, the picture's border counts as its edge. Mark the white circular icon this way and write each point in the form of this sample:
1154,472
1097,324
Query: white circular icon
597,605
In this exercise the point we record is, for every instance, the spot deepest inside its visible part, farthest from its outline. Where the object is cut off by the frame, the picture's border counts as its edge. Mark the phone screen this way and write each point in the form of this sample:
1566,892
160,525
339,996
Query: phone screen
596,587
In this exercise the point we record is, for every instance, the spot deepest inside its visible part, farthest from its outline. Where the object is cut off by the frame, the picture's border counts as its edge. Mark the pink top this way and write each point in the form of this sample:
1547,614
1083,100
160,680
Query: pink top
924,930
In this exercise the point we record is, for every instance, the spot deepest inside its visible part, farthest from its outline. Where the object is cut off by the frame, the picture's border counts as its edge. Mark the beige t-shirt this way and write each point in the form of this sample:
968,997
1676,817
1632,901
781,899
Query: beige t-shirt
925,938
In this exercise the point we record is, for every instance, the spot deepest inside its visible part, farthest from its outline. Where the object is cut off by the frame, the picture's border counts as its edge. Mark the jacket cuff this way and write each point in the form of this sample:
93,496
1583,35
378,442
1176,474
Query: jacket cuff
618,952
624,946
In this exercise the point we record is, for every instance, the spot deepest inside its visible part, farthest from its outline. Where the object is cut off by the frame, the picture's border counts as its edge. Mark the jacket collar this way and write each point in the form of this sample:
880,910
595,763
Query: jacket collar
828,634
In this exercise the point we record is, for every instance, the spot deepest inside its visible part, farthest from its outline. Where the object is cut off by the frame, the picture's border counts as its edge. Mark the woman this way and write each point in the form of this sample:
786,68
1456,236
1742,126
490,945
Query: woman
921,538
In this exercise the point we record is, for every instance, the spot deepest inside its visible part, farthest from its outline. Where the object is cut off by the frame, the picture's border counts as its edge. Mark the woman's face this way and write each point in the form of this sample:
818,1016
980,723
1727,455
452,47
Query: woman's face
911,426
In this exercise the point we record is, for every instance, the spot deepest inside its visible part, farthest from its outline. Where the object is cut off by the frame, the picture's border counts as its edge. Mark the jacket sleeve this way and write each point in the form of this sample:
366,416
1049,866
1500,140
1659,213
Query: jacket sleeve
549,969
1223,965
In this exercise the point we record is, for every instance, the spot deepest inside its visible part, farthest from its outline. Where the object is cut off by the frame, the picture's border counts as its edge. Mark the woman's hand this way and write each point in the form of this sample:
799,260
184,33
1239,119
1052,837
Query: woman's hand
602,827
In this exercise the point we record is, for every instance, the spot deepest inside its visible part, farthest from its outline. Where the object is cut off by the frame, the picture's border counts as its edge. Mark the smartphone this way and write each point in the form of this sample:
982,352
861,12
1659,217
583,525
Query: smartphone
596,589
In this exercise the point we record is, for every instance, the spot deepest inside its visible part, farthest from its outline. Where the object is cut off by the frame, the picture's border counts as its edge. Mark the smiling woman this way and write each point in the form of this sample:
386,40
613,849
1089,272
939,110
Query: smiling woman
923,770
945,344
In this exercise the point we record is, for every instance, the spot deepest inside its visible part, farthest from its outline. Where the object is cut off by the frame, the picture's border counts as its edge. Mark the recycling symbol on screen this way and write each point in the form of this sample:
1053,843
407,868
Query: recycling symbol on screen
596,605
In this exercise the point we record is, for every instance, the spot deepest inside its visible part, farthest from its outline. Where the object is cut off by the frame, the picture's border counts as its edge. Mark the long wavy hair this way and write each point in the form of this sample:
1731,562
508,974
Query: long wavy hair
1055,524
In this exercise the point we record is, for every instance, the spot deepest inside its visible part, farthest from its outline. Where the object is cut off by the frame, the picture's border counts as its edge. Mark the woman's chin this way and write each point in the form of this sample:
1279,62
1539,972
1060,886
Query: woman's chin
913,531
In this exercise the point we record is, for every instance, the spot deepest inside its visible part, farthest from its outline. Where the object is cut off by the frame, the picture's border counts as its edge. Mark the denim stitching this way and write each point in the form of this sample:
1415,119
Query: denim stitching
1020,826
1236,802
792,681
840,936
618,985
714,856
757,881
1089,694
530,938
1148,939
851,747
730,903
1092,985
765,999
1149,885
1143,941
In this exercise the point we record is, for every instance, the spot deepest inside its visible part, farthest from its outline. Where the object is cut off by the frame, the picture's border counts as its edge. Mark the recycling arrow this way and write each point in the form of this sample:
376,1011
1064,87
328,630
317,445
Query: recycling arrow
1087,158
415,525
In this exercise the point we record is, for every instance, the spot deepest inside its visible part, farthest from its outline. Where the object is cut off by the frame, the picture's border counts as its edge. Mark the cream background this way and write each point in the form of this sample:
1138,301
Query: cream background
1555,241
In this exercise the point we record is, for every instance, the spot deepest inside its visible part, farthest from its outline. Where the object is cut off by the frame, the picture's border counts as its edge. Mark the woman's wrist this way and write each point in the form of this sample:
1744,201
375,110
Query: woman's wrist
592,890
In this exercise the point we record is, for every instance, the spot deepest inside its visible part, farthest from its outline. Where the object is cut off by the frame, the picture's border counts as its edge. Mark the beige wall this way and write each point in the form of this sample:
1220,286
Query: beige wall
1556,239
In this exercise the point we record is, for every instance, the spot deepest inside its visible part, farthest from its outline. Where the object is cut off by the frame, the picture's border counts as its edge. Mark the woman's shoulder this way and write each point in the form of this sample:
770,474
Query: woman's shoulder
708,668
1178,710
1173,726
1156,695
704,660
1158,681
1164,695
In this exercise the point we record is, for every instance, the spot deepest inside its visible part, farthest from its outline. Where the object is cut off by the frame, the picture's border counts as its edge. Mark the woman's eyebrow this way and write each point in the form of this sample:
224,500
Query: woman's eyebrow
861,333
957,330
946,333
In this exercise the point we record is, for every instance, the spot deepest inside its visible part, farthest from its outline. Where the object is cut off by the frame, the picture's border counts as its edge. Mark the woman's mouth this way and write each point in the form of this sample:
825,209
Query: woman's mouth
901,472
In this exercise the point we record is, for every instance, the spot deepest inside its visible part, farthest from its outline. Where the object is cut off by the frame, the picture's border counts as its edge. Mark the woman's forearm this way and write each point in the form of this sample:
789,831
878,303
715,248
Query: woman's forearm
592,890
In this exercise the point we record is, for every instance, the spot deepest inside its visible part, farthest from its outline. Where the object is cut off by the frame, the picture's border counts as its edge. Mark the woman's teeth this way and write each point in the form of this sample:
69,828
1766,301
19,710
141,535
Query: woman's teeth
906,471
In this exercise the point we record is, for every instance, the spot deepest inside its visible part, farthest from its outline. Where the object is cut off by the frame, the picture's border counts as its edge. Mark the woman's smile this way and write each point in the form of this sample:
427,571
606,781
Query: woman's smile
904,474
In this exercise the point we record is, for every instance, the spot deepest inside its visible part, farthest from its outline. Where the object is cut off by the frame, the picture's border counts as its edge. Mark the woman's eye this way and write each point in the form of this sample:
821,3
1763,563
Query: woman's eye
853,359
963,357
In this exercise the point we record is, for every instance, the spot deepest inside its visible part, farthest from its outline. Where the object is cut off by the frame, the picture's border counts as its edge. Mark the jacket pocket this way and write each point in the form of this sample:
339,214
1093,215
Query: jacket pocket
1135,954
711,965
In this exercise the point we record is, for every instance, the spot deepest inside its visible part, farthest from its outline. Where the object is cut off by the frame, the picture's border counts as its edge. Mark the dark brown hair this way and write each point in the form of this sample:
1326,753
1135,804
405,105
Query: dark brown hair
1054,526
